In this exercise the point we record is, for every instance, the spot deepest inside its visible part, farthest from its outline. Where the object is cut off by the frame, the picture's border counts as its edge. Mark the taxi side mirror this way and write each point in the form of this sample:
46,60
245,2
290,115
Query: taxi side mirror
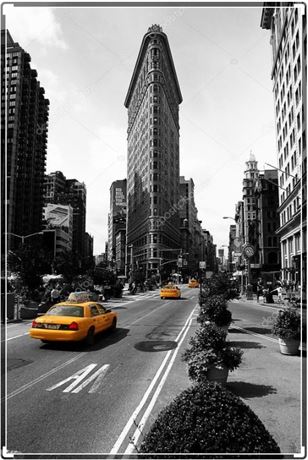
108,310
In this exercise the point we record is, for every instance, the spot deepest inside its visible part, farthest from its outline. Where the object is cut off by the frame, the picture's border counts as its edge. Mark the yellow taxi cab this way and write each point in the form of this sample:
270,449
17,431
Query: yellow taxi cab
170,291
193,283
73,321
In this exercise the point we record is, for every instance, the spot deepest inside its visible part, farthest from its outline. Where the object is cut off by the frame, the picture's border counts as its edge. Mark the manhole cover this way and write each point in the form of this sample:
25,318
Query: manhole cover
157,345
14,363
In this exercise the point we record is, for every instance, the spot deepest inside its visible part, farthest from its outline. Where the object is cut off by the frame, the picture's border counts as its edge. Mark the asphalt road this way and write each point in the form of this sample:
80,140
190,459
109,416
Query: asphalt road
103,399
77,399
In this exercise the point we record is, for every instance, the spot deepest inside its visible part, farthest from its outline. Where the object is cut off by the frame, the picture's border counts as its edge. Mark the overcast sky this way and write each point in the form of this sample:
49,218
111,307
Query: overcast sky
85,58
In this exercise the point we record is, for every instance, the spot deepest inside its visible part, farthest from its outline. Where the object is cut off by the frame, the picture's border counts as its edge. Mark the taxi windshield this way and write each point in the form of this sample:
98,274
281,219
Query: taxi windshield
66,310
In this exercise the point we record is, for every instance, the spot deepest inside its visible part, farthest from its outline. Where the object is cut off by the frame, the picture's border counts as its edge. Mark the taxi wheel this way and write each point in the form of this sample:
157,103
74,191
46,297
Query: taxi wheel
90,337
113,325
162,298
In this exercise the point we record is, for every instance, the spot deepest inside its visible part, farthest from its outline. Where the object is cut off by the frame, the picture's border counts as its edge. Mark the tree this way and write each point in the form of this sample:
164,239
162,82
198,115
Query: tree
30,262
67,264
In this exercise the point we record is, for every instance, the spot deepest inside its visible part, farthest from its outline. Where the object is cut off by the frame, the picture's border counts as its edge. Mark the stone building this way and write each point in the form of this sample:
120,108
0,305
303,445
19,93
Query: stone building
153,98
288,29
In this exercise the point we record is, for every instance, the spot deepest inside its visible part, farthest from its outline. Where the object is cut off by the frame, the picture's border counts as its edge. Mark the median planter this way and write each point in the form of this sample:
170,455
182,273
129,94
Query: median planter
289,346
210,357
287,328
208,419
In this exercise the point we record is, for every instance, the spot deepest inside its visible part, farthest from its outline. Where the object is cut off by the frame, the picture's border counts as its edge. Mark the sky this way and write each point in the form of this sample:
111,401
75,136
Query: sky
85,58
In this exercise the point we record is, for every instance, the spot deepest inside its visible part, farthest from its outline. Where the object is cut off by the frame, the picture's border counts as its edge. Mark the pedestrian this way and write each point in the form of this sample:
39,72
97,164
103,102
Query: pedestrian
55,295
279,293
259,291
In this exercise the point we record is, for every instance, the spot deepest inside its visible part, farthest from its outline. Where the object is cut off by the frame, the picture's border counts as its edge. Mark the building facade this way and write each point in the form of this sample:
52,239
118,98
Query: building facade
25,112
117,214
192,240
153,98
267,218
289,76
251,175
59,190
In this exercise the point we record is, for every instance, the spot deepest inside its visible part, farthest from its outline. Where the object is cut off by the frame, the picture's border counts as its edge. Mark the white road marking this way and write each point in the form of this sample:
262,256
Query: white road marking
79,376
15,337
136,435
134,415
42,377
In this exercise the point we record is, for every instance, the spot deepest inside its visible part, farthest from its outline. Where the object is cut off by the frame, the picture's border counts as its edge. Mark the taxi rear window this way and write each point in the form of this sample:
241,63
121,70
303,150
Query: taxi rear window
66,310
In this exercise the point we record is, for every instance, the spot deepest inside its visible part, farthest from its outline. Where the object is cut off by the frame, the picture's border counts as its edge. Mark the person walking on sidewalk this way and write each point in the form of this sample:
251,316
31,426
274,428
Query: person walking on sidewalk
279,293
259,291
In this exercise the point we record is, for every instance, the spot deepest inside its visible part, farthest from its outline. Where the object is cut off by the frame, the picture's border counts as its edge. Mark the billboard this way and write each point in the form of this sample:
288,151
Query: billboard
58,215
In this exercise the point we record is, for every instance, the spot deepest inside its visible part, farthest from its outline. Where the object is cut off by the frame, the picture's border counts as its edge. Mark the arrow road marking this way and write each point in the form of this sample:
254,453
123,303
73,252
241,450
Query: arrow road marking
79,376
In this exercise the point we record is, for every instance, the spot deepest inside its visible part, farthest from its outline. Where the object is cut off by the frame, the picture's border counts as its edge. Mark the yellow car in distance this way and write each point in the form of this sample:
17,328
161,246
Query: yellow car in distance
170,291
193,283
73,321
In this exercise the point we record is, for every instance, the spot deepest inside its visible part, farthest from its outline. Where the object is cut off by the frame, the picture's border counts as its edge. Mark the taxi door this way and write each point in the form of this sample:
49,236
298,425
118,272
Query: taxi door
97,318
105,317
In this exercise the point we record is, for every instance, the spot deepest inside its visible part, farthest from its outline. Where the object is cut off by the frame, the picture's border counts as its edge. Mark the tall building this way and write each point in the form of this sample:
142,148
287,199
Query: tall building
117,215
232,248
287,23
251,174
192,238
59,190
54,184
24,143
89,260
152,101
267,218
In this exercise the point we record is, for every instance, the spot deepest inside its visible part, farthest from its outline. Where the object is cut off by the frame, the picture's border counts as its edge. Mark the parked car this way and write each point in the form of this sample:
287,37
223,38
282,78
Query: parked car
73,321
170,291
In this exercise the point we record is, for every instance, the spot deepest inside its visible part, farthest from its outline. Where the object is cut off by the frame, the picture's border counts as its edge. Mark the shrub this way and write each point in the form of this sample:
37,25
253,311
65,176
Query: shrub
200,363
208,419
208,336
287,324
216,312
209,348
218,284
213,302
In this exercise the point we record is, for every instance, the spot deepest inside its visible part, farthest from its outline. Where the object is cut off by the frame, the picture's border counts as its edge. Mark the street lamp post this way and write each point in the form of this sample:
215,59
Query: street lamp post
23,237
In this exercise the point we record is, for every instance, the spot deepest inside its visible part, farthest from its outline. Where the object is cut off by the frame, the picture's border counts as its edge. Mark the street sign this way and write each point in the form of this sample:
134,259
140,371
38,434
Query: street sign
180,262
202,264
248,250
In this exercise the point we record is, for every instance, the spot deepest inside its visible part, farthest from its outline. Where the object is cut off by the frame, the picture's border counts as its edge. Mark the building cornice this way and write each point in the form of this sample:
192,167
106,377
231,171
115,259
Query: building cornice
292,223
139,62
290,197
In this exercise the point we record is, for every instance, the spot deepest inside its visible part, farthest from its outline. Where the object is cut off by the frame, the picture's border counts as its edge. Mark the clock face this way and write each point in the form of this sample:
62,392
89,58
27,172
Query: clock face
249,251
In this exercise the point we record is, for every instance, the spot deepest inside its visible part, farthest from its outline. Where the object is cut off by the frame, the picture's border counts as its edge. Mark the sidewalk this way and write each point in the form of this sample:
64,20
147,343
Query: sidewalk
271,384
277,306
267,381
